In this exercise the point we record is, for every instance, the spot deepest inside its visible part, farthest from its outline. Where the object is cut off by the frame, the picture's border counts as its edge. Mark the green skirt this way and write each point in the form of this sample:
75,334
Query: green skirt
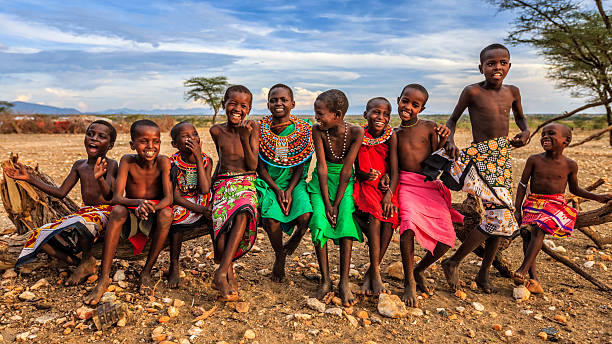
320,227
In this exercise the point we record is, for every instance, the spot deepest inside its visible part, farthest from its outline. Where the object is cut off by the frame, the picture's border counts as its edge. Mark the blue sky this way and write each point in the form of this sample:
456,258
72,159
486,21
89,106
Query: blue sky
96,55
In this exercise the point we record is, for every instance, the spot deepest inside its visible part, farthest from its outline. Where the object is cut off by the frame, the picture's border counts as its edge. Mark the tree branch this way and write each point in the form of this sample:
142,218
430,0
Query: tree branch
592,137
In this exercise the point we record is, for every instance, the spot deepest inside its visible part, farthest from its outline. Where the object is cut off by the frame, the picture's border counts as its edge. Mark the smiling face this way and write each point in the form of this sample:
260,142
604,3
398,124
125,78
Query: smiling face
186,133
280,102
555,137
325,117
378,115
146,142
410,103
97,140
495,65
237,107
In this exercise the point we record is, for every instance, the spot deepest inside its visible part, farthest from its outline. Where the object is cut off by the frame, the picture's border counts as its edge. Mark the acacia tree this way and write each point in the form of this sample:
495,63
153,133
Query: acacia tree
207,91
575,41
4,105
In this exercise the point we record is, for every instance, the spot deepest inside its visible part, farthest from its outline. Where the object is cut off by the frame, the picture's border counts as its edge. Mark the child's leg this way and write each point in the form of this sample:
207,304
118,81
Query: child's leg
302,222
159,235
407,250
59,254
176,241
386,233
275,234
374,242
325,285
221,280
533,248
118,216
344,288
87,265
449,265
482,279
429,259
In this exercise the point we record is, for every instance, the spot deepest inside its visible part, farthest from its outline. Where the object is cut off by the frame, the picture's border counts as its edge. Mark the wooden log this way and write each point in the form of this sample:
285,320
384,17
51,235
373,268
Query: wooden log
595,217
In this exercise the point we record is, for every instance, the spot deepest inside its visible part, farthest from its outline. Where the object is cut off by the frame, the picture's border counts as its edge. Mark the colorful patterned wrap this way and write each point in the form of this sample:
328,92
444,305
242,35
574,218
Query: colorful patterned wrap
88,222
235,193
184,175
551,213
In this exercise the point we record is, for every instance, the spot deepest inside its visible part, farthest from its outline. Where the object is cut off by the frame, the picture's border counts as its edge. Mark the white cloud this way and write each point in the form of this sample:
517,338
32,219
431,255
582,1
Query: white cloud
23,98
61,92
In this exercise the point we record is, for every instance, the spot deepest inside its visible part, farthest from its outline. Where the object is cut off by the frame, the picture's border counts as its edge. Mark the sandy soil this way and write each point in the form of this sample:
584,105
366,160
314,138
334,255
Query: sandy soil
588,310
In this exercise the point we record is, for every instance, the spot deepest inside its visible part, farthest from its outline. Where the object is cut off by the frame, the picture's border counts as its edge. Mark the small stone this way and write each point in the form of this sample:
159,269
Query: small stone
184,341
561,319
336,301
417,312
478,306
375,319
471,333
452,317
108,297
241,307
460,294
366,322
549,243
559,249
256,249
194,331
334,311
22,337
84,312
521,293
508,333
301,316
605,257
315,304
249,334
538,317
460,309
45,318
27,296
67,330
348,310
362,314
298,336
352,320
353,273
119,276
396,270
442,312
497,327
92,279
158,334
10,273
122,322
542,335
173,311
526,311
163,319
178,303
474,286
264,272
551,331
391,306
588,264
39,284
602,266
313,332
123,284
15,317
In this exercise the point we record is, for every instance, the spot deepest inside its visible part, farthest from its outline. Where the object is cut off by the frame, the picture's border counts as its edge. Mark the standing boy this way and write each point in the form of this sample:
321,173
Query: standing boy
143,194
336,145
484,168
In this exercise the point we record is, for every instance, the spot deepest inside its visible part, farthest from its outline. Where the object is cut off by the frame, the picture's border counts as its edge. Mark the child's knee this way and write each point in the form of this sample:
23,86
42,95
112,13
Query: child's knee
304,219
164,216
119,213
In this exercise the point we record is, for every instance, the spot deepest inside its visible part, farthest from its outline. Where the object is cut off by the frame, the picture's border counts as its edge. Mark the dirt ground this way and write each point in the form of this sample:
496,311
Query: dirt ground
277,312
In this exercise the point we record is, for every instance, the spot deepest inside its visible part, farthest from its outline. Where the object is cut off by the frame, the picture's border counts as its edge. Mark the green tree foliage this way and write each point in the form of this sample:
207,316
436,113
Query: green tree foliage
207,91
574,37
4,106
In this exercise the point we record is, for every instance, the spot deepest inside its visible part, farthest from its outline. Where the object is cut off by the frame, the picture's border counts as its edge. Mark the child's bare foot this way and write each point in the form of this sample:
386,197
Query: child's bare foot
278,271
146,285
421,282
534,287
221,283
325,287
174,277
232,281
96,294
451,274
346,295
377,286
86,268
366,287
484,283
293,243
410,296
519,277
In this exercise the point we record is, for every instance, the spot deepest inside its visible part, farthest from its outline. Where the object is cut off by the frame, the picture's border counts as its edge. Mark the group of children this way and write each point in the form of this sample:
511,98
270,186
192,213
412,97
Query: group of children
371,180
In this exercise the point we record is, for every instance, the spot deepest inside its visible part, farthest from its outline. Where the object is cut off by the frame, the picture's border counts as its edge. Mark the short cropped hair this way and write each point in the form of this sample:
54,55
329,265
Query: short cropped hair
373,101
281,86
175,130
492,47
141,123
238,89
565,130
111,129
419,88
335,100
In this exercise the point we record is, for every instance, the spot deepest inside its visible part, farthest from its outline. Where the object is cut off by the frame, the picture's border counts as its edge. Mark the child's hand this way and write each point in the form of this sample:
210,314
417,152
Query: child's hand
19,172
100,168
451,149
245,128
332,215
384,183
280,197
287,202
373,175
443,132
145,207
520,139
388,207
518,215
605,198
195,148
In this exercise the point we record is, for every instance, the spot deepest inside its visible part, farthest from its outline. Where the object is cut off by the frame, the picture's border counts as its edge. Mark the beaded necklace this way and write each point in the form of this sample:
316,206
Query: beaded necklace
373,141
410,125
285,151
331,151
187,173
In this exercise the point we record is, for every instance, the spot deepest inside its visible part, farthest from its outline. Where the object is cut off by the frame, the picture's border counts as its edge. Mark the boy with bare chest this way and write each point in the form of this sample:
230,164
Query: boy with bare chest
484,168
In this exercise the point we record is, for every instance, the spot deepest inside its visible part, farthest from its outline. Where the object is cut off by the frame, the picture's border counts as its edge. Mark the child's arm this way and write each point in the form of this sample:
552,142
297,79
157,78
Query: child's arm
322,173
179,200
462,104
249,138
443,133
575,189
262,171
521,189
298,171
203,172
119,190
105,173
347,165
164,166
21,173
519,118
363,176
388,207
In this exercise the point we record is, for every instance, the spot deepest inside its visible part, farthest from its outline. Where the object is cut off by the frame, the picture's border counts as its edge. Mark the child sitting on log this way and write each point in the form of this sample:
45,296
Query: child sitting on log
190,174
545,210
234,209
144,178
69,235
331,189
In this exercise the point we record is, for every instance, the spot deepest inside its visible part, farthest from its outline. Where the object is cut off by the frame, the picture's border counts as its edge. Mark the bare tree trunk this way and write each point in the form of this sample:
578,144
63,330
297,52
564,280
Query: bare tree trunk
215,116
609,118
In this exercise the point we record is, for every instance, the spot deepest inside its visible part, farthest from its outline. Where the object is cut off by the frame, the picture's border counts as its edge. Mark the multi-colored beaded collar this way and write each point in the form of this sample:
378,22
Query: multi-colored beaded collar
371,141
285,151
187,173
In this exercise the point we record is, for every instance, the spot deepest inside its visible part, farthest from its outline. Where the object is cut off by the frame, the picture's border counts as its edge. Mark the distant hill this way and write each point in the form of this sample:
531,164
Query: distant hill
31,108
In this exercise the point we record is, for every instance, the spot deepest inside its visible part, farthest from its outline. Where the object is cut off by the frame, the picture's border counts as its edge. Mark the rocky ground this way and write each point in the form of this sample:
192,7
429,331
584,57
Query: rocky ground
35,307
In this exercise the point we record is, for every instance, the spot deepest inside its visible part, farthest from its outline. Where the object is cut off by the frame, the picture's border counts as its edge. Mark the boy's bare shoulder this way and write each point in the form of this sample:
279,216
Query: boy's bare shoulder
356,129
128,159
316,127
513,89
216,129
428,123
